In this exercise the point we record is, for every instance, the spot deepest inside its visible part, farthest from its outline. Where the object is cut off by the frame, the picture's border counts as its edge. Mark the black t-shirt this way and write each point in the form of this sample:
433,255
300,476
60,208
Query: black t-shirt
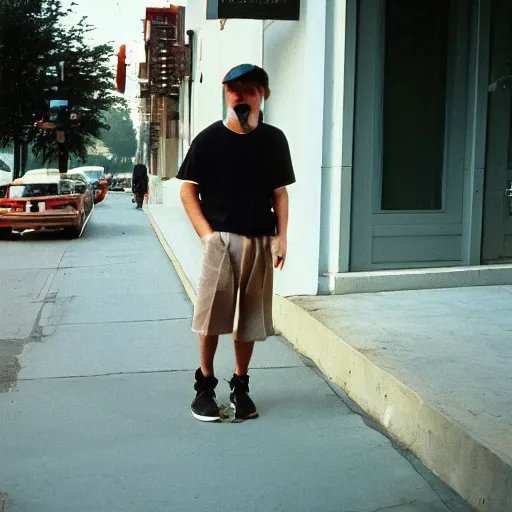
237,175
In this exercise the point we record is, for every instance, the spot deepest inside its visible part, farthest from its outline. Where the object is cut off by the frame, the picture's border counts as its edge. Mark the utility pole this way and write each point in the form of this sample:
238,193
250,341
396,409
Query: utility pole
63,131
17,161
16,168
24,156
63,150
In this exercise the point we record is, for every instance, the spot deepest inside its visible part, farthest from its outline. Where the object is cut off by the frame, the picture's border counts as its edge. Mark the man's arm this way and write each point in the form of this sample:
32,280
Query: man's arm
190,198
281,211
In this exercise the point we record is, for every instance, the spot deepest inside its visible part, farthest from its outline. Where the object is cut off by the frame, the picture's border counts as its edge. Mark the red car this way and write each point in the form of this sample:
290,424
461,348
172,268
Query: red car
46,200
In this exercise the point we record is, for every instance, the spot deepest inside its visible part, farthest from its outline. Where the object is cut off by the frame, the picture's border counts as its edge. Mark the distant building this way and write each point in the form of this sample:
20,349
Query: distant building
167,63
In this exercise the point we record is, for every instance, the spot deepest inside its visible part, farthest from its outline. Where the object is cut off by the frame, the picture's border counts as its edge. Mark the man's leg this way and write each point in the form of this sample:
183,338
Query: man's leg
239,384
205,407
207,349
243,354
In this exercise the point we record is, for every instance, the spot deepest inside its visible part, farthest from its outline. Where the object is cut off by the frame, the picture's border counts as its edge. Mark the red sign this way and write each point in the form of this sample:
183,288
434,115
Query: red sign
121,69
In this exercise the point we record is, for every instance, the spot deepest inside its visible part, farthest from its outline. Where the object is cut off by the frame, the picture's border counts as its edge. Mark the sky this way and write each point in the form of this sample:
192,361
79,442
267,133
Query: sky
120,22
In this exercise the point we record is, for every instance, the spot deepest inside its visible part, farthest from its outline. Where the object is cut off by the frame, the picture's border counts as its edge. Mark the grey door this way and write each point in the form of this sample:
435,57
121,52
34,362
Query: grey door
497,225
409,133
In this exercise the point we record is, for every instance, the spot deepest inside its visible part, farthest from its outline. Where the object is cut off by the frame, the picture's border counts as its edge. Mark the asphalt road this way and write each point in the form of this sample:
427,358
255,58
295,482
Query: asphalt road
96,376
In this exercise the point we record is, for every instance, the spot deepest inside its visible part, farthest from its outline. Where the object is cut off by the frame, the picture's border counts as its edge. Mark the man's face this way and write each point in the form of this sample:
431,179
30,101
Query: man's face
239,93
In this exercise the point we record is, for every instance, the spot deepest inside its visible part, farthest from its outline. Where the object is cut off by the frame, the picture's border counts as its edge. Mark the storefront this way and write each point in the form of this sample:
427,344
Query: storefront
428,189
398,119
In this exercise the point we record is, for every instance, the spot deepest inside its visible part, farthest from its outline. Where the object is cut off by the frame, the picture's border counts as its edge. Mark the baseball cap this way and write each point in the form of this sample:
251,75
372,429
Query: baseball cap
247,73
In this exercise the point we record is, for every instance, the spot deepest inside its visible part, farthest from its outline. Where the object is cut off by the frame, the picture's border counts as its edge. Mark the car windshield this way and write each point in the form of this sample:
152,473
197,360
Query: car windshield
93,175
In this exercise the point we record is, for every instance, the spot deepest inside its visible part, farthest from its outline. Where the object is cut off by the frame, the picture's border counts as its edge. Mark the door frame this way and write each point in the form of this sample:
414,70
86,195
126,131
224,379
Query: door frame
476,134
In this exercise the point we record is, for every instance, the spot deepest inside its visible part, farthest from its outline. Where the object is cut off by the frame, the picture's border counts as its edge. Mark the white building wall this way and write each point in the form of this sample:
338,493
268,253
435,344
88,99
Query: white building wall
293,53
294,57
217,51
340,68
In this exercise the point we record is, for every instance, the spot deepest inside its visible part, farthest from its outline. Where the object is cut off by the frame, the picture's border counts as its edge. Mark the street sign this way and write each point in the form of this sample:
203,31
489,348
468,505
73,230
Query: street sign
253,9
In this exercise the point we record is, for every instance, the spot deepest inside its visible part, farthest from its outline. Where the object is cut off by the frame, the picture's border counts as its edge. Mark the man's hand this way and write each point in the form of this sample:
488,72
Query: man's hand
280,251
280,202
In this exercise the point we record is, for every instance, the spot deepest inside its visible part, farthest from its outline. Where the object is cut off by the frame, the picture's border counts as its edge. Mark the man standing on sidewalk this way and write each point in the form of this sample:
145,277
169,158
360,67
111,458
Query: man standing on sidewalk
235,196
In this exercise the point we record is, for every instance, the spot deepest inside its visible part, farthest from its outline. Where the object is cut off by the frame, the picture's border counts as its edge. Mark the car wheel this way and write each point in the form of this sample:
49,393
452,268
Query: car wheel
5,233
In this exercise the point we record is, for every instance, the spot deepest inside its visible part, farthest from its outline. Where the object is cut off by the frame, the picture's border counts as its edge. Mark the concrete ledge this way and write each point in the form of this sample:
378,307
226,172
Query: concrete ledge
415,279
480,476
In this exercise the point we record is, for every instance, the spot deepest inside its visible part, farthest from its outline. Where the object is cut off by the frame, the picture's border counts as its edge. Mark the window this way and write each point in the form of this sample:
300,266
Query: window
416,59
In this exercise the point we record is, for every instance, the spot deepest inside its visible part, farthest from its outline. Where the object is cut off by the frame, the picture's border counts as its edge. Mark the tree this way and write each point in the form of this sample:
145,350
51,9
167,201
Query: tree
117,144
25,43
120,137
33,41
88,85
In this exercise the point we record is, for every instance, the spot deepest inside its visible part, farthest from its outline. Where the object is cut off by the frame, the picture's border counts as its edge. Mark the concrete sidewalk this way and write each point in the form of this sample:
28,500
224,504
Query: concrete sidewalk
433,367
98,416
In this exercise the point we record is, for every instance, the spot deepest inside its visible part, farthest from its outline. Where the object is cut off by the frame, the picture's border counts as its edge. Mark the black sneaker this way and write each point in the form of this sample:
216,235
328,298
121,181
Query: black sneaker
240,399
205,407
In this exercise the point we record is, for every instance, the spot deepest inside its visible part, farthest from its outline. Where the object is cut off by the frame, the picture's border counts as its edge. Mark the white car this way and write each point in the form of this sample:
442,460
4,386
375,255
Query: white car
46,200
93,172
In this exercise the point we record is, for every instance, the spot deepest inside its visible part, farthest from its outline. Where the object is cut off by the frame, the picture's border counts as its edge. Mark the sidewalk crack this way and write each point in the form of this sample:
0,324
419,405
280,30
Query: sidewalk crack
109,374
126,321
139,372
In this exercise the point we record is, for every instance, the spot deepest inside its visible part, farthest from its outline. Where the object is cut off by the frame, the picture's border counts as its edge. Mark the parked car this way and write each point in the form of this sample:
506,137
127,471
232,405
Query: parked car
46,200
93,172
99,187
121,181
97,178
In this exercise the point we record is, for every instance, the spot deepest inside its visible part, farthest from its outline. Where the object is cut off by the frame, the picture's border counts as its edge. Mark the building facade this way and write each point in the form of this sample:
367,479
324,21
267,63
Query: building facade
167,63
398,119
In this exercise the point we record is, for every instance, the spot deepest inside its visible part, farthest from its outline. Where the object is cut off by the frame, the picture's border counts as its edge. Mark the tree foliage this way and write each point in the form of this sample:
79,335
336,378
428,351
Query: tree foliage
26,43
33,41
120,137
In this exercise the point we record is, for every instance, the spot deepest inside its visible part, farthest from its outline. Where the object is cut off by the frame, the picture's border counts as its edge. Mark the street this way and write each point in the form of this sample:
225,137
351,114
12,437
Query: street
96,378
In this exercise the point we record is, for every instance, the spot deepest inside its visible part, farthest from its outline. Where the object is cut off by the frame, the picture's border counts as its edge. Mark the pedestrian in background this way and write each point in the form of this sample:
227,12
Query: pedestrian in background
236,173
139,184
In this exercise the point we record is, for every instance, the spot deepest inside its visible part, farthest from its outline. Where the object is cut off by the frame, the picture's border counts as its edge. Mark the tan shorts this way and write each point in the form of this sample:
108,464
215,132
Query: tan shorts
235,287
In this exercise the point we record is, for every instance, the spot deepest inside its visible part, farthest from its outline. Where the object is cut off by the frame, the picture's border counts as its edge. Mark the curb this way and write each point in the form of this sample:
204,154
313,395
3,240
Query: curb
473,470
479,475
